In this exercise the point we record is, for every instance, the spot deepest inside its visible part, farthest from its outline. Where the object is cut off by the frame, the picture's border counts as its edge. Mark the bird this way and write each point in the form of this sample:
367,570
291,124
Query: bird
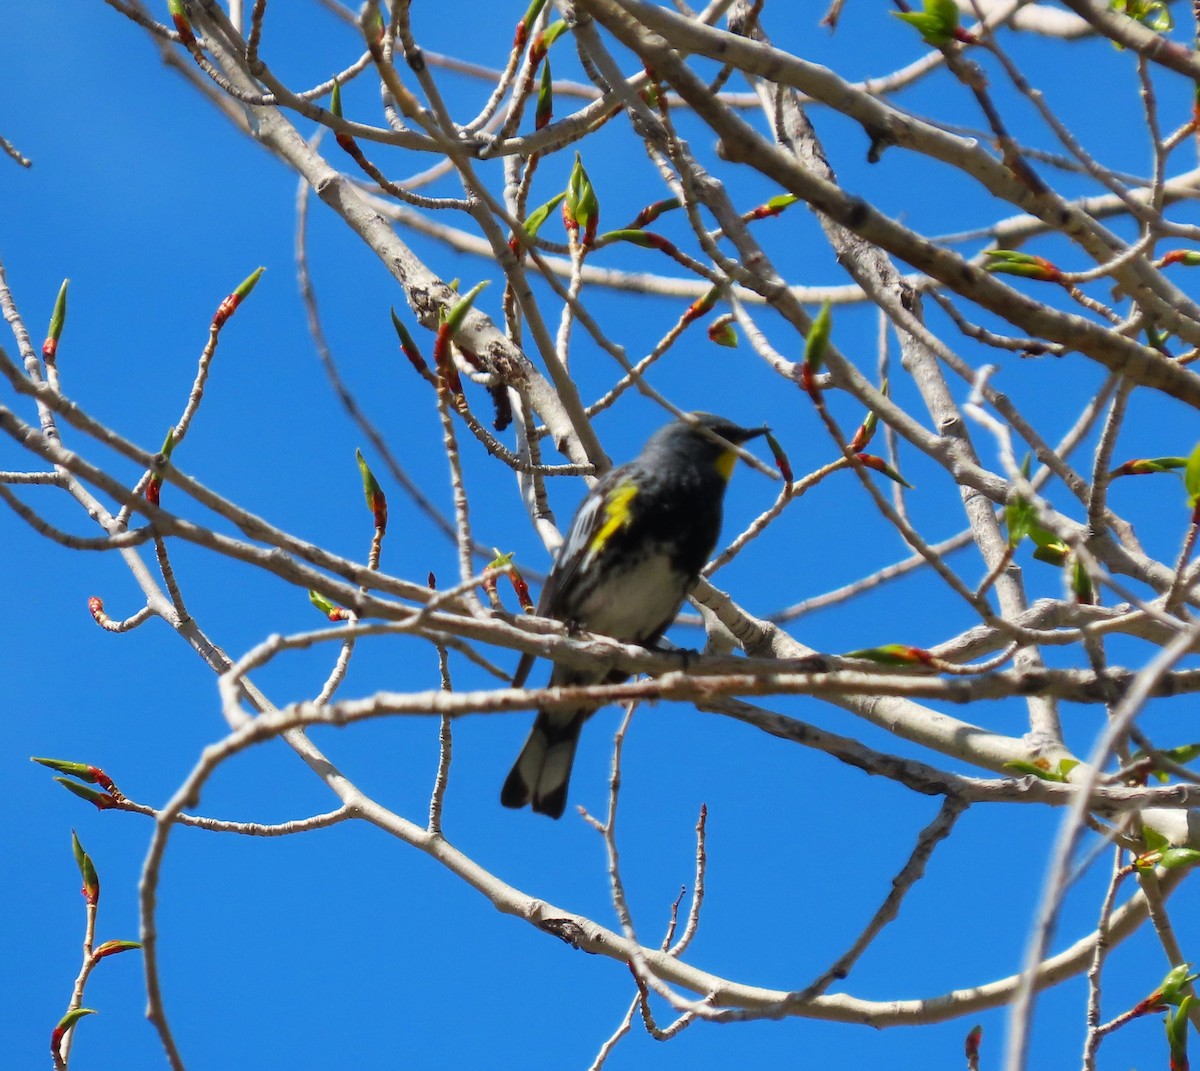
632,553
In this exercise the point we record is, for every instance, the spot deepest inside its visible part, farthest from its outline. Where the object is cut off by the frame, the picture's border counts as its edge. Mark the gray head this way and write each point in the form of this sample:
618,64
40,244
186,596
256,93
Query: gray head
718,425
699,437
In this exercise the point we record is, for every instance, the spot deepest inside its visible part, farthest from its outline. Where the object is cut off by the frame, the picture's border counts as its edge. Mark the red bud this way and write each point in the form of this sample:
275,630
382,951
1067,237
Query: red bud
376,500
113,948
100,800
65,1024
57,319
227,307
91,881
182,26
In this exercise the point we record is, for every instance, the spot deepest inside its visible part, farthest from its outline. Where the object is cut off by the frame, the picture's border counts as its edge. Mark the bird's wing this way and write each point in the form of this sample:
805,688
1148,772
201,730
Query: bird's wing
601,514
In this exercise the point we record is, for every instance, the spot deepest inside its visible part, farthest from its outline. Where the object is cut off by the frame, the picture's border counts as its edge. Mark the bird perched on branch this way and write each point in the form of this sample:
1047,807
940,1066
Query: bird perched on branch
633,552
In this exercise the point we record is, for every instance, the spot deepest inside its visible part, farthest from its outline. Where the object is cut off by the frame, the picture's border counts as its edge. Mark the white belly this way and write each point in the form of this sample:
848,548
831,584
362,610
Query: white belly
630,607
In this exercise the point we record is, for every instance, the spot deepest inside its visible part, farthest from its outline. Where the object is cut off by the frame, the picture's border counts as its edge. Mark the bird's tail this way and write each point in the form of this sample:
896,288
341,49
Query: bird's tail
543,769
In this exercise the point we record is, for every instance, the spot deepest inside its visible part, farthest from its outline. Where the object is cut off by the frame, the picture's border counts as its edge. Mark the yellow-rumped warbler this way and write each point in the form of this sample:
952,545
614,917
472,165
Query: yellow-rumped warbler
633,552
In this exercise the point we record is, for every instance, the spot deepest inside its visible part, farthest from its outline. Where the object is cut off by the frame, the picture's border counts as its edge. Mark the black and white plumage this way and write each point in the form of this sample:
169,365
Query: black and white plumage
631,555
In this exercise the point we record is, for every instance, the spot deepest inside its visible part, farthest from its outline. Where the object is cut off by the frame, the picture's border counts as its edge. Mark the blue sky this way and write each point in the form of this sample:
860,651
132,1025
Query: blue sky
340,946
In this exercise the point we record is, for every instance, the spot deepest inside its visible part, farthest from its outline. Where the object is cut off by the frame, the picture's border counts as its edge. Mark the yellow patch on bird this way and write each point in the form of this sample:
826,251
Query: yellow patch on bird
725,463
616,516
